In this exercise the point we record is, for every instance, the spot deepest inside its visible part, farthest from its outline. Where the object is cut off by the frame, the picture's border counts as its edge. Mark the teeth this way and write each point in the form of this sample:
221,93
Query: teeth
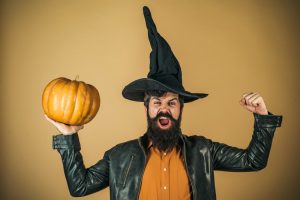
163,118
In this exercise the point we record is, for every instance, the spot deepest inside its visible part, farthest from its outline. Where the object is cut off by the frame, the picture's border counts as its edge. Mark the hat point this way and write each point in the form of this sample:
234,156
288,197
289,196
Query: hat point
165,71
146,10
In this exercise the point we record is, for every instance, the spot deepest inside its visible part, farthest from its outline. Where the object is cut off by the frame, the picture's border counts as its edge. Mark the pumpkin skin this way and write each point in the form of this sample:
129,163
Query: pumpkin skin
70,102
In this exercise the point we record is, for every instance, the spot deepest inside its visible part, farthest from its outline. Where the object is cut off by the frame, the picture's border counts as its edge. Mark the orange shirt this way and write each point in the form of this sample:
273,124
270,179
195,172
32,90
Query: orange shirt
165,177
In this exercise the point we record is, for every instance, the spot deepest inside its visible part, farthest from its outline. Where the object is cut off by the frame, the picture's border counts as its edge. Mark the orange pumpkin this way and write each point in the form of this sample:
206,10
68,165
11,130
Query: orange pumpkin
70,102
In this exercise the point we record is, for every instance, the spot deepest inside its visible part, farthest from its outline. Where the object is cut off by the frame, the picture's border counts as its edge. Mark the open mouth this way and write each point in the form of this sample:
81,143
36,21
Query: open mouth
164,122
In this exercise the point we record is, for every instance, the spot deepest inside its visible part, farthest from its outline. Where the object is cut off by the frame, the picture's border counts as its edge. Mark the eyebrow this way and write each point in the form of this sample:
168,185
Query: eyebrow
174,99
157,98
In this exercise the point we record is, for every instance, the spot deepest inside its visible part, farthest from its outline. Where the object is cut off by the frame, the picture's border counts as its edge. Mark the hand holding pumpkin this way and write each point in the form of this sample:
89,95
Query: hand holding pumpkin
70,104
63,128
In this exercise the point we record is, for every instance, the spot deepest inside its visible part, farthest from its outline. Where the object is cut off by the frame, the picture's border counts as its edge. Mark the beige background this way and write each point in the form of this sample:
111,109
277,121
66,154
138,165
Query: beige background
225,48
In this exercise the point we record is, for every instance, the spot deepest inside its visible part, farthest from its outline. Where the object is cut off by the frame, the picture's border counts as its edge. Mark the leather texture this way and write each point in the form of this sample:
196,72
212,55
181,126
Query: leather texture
122,166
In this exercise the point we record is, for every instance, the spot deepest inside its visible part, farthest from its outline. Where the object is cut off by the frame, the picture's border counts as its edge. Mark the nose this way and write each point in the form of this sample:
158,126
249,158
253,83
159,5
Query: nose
164,108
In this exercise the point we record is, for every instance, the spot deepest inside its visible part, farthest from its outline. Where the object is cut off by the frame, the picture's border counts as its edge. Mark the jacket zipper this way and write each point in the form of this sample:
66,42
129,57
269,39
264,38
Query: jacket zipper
127,171
184,159
140,183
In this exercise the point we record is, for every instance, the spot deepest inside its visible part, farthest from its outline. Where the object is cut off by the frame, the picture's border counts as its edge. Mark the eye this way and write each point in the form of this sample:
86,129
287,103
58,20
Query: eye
172,103
157,103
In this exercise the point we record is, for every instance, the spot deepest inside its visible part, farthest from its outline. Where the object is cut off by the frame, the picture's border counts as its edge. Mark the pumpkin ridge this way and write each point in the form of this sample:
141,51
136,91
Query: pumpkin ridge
87,96
45,98
65,103
94,106
50,93
81,115
77,84
69,109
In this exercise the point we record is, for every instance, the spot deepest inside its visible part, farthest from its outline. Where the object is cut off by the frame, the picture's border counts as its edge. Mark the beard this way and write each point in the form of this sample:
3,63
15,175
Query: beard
164,139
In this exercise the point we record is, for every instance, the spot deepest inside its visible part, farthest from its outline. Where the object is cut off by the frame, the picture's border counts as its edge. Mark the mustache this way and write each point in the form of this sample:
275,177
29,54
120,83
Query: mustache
161,114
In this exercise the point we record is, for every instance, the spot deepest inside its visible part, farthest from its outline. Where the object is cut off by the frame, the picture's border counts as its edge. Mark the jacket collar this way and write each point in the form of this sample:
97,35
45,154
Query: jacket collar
144,143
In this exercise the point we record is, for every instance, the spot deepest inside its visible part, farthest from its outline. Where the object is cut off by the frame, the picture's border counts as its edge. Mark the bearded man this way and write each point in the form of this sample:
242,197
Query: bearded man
164,163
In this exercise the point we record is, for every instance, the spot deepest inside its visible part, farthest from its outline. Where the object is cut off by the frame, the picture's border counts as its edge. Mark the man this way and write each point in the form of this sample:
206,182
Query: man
164,163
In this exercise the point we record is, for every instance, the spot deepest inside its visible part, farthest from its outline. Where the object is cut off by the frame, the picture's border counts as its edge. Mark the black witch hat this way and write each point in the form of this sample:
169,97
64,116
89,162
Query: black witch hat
165,72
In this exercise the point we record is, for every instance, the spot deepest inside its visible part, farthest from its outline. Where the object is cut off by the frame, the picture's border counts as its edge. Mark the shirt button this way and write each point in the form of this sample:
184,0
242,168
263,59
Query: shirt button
165,188
165,169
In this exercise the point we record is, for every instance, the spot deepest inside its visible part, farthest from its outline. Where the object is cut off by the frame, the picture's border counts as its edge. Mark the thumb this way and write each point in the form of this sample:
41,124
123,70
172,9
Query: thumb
50,120
242,102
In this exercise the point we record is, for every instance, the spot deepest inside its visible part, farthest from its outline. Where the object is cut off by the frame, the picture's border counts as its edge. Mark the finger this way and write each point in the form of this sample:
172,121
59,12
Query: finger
46,117
242,102
246,94
259,101
76,128
251,100
256,101
249,97
58,125
49,119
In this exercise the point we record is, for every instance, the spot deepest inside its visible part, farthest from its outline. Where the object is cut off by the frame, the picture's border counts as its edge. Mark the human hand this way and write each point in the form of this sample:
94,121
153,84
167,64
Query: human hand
253,102
63,128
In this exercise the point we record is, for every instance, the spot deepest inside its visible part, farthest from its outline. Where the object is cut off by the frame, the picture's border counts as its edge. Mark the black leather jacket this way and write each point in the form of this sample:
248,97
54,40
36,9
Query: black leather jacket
122,166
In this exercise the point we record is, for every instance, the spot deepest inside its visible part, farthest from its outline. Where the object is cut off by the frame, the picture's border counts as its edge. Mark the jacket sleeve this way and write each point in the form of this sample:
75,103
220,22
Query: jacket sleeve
81,181
255,156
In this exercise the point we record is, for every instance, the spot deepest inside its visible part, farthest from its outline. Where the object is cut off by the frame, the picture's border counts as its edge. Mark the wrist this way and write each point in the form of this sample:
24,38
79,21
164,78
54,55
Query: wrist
67,133
263,112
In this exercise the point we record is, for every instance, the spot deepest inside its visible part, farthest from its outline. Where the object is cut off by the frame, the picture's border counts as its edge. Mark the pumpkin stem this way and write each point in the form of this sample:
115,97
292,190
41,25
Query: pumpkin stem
77,77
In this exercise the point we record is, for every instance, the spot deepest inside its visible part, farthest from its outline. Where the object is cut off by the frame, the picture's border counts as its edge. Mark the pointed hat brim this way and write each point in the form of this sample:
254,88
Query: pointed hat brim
135,90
